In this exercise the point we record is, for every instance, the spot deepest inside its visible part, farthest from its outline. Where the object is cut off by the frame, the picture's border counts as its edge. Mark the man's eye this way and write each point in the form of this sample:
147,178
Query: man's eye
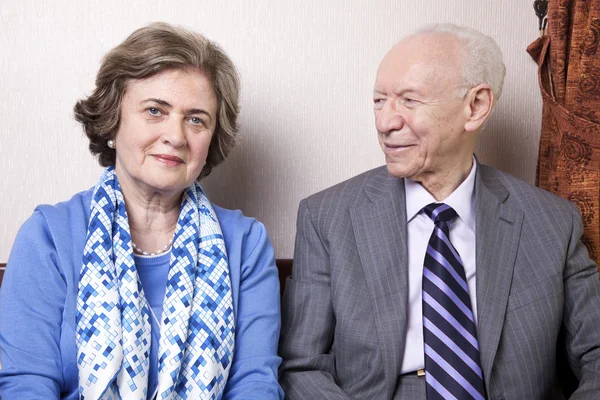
378,103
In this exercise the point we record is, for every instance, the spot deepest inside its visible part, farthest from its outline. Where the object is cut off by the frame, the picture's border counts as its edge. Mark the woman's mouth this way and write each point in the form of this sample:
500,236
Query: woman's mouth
169,160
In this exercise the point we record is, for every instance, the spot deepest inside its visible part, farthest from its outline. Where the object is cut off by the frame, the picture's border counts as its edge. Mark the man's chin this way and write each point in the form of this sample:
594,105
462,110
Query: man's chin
399,171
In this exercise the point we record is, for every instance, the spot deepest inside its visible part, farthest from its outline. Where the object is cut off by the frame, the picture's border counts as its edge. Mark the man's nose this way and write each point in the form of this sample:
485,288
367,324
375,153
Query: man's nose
388,119
174,133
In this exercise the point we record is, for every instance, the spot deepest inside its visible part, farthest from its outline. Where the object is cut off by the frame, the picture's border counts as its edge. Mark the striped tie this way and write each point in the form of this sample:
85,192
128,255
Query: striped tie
452,366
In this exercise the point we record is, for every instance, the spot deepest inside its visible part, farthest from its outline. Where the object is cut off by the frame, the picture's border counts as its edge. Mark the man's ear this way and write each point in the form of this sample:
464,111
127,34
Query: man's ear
481,101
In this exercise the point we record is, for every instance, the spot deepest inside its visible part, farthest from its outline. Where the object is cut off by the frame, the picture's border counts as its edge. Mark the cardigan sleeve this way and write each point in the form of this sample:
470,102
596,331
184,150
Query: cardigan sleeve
253,374
32,301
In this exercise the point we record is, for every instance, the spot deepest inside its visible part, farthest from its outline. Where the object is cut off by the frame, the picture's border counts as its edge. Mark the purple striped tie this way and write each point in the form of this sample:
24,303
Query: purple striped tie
452,366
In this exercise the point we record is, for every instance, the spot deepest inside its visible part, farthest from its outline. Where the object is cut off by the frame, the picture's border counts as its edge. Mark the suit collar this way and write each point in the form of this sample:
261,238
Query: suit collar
382,184
462,200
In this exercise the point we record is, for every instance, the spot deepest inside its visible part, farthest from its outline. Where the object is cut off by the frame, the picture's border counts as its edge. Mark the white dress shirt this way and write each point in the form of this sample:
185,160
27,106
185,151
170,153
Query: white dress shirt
420,227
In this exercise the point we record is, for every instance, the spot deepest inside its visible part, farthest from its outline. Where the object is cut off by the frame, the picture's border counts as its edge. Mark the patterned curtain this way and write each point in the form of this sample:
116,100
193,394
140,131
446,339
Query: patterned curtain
568,55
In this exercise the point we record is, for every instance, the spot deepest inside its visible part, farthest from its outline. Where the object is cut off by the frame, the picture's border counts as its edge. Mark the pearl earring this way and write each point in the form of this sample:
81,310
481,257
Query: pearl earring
110,143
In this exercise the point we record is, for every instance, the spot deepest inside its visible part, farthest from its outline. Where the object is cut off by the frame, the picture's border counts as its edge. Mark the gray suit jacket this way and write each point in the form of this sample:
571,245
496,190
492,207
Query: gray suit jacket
344,309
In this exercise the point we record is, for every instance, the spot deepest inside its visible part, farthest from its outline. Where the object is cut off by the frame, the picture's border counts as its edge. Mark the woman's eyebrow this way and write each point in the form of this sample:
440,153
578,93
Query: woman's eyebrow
159,101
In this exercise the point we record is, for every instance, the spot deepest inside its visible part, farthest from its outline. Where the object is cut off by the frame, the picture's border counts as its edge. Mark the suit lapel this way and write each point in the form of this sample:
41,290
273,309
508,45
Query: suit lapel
498,231
380,231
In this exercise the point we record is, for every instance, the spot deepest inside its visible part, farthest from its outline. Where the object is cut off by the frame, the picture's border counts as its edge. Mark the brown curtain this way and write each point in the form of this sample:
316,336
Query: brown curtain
568,56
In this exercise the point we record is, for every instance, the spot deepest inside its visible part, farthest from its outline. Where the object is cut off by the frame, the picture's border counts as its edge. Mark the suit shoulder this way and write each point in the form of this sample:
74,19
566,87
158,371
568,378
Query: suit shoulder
525,194
352,190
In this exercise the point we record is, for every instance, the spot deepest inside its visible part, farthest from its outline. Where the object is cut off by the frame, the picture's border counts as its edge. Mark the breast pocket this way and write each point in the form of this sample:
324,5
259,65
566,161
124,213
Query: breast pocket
545,289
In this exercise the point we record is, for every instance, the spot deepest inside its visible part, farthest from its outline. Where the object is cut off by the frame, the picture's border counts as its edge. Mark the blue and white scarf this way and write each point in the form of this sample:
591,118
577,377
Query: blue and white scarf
113,316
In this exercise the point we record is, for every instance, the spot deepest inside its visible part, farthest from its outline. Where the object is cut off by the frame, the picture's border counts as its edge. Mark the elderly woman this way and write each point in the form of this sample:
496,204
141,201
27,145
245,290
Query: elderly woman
140,288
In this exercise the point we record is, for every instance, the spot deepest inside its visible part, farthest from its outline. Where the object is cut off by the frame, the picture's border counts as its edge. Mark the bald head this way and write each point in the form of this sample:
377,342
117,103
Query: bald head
436,56
481,58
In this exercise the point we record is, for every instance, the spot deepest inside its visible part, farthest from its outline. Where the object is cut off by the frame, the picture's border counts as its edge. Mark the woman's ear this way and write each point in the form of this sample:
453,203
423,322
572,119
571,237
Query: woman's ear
481,101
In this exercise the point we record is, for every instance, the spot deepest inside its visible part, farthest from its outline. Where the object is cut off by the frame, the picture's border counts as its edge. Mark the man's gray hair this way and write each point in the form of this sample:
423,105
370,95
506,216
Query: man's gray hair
482,58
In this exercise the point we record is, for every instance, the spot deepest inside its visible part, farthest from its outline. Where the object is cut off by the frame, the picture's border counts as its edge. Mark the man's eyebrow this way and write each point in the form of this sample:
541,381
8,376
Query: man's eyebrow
398,91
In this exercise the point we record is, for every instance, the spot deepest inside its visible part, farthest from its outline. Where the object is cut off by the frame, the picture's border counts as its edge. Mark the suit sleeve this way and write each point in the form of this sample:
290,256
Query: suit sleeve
253,373
31,305
581,316
308,321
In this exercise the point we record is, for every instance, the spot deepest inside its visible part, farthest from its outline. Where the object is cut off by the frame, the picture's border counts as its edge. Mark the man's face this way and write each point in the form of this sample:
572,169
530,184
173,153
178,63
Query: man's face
419,118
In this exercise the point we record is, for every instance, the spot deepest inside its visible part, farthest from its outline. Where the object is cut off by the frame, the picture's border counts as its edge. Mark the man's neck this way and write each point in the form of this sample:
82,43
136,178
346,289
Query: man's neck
441,185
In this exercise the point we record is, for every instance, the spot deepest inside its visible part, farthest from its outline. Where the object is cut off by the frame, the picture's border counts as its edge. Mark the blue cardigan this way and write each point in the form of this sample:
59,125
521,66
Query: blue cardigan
39,295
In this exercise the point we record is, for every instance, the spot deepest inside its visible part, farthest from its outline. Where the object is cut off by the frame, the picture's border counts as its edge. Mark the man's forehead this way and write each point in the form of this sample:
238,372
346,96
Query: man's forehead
426,47
417,57
405,76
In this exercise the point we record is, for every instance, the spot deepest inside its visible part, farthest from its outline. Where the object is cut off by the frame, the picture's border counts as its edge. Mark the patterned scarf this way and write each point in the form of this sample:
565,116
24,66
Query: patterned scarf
113,316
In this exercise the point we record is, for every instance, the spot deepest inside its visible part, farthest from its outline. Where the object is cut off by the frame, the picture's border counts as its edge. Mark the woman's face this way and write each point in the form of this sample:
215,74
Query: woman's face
167,122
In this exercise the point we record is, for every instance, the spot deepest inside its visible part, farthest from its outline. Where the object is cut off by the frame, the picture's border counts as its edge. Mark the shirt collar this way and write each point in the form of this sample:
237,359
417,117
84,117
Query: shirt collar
462,200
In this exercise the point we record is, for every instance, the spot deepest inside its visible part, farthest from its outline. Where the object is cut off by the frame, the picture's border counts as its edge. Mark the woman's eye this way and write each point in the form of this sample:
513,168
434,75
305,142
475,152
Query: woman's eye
153,111
196,121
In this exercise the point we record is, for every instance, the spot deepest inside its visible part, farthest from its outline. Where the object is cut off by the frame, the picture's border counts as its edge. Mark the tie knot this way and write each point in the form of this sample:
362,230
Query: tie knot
439,212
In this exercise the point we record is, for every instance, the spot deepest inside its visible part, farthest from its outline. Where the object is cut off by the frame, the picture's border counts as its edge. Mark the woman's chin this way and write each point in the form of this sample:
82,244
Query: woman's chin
164,186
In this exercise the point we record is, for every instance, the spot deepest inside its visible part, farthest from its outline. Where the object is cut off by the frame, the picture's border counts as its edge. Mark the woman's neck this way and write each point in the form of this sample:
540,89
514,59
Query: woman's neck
152,216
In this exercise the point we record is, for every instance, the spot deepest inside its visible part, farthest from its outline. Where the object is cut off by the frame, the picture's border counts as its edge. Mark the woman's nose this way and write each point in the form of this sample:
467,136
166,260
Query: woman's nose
175,134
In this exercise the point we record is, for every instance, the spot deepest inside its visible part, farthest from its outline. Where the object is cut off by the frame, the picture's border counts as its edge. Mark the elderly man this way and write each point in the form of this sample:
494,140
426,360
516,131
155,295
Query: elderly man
438,277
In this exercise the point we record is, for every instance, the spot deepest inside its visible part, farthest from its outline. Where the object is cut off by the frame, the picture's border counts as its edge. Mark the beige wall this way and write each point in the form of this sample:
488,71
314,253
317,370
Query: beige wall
307,71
